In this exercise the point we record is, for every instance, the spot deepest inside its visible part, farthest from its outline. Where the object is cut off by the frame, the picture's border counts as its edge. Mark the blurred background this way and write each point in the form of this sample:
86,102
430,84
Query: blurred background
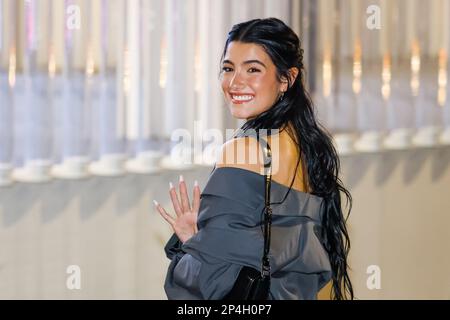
103,102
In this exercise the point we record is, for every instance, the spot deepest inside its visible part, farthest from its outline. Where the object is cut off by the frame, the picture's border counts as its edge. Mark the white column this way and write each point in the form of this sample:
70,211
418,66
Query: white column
122,77
132,69
141,21
6,112
219,28
427,112
179,84
348,74
152,46
34,104
146,24
397,104
180,57
113,93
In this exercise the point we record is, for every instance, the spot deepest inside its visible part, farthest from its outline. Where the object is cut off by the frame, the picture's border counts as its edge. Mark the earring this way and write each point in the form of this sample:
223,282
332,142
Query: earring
282,96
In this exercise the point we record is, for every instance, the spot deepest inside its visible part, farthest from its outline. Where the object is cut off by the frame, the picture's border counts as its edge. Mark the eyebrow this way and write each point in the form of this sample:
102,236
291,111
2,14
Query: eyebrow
247,62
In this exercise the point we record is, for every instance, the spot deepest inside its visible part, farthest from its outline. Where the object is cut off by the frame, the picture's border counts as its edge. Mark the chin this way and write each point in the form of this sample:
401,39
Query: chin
237,114
240,114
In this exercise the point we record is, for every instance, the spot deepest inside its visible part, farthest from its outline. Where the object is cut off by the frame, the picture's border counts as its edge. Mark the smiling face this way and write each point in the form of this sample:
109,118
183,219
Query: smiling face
249,80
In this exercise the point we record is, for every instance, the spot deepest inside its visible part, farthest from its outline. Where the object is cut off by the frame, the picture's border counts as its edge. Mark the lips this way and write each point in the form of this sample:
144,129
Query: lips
240,98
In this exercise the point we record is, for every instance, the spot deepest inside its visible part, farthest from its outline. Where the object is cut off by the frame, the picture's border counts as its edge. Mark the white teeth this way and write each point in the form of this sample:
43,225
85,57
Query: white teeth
242,98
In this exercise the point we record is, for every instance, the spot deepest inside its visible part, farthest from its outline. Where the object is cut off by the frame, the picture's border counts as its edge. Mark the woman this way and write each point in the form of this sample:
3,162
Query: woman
263,82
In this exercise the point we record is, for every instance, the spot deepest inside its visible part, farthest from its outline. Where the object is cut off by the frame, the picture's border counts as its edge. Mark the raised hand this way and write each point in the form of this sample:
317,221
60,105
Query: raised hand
185,223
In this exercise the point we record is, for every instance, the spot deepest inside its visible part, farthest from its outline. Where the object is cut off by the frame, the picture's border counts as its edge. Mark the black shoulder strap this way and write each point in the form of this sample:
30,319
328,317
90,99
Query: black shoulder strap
265,267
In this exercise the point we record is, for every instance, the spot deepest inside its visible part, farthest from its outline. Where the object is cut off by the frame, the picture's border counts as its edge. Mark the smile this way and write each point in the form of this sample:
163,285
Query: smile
241,98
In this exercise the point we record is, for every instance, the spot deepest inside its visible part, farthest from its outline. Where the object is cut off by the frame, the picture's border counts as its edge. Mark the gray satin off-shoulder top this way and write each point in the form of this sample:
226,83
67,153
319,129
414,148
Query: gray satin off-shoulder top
230,236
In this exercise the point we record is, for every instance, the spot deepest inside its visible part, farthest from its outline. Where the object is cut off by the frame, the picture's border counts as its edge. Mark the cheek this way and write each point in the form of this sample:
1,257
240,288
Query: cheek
266,87
224,83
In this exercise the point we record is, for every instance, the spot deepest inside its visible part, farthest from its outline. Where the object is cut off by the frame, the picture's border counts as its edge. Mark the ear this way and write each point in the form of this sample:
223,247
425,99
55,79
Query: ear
293,73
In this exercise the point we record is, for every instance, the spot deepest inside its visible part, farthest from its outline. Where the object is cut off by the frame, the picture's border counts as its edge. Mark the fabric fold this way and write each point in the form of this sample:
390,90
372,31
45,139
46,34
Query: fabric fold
230,236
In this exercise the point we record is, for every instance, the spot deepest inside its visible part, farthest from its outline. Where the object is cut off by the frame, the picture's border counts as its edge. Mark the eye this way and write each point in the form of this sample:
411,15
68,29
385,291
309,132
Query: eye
252,70
226,69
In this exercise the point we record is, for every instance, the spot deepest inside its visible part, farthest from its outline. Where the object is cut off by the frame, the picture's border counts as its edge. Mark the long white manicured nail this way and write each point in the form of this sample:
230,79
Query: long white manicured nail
170,185
195,183
181,178
155,203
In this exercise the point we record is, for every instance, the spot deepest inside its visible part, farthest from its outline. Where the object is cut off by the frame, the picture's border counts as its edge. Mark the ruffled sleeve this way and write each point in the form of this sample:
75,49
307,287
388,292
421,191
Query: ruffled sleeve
173,247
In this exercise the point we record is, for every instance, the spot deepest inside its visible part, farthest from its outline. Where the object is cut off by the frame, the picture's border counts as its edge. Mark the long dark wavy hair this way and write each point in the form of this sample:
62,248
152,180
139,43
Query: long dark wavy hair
314,142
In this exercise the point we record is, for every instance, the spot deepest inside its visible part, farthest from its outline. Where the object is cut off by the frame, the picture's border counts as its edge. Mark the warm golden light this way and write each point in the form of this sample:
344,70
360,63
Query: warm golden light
327,73
12,67
51,62
386,77
357,68
90,63
442,77
415,67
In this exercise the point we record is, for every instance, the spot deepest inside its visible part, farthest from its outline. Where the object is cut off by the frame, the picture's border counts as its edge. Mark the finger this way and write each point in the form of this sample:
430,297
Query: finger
174,198
196,201
184,195
164,214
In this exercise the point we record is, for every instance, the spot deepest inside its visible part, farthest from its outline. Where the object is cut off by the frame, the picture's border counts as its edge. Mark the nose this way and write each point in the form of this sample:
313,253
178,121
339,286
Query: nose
237,81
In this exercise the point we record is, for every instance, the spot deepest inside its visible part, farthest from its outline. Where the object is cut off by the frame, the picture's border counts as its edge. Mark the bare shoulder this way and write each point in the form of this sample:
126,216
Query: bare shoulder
243,153
246,153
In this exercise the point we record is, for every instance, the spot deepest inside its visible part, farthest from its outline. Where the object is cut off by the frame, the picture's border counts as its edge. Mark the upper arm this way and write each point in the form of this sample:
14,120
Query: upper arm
244,153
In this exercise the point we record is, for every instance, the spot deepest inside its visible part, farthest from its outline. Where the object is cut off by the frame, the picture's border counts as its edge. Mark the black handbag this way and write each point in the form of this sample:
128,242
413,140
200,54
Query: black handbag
253,284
